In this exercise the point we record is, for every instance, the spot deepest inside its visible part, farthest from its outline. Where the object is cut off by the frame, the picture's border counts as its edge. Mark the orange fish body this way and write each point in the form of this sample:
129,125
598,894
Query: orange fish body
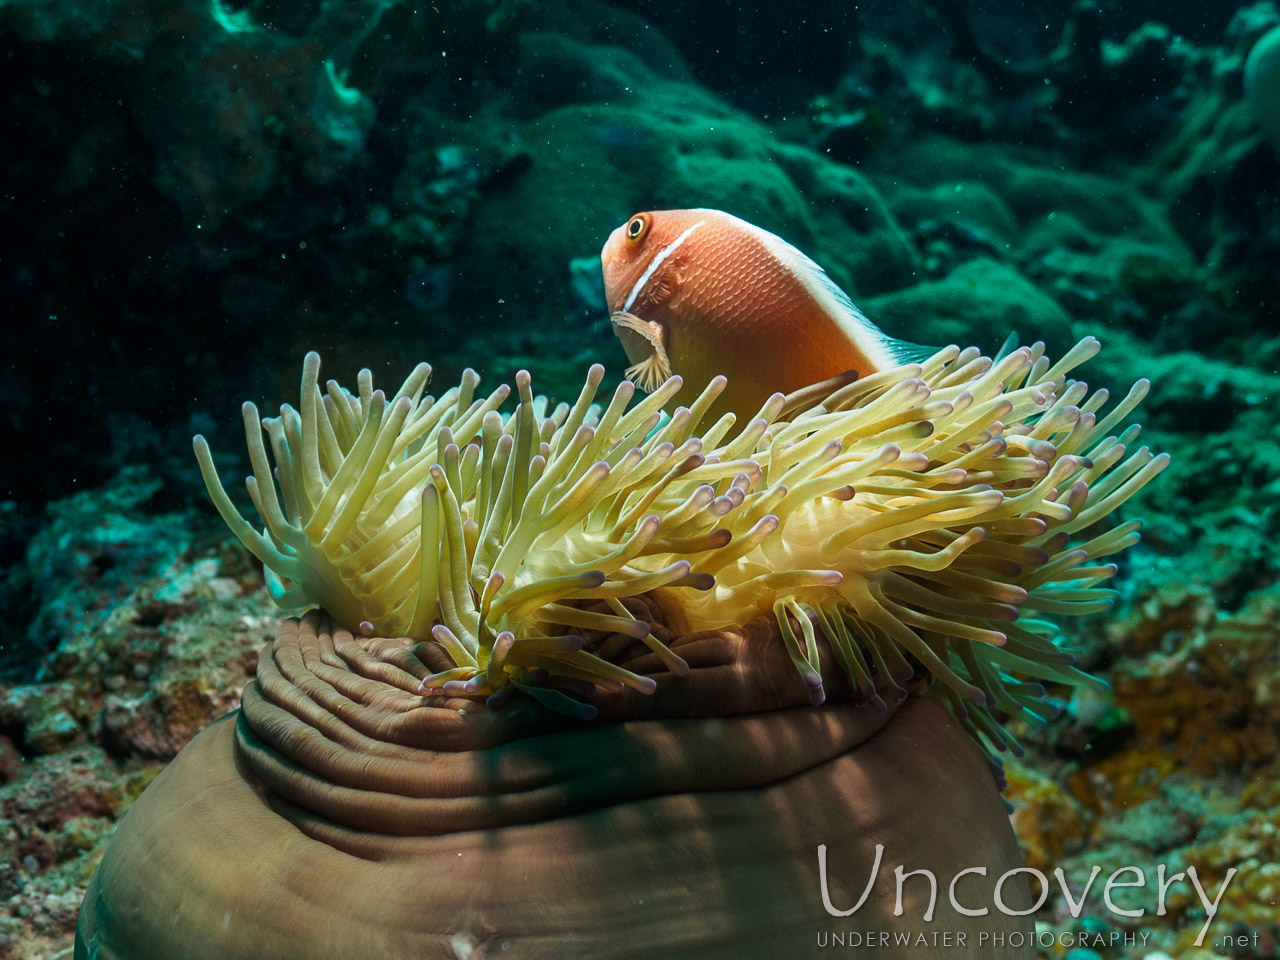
700,293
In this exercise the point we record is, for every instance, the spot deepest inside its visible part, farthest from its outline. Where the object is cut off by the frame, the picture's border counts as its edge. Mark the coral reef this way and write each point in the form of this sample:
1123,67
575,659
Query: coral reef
155,626
290,102
1174,765
1262,83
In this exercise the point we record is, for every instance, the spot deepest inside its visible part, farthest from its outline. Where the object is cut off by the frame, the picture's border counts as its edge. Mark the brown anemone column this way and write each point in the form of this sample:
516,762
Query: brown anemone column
341,815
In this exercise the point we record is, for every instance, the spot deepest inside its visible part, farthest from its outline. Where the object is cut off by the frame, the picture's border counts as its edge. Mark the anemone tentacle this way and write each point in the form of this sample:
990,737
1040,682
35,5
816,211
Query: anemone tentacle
926,514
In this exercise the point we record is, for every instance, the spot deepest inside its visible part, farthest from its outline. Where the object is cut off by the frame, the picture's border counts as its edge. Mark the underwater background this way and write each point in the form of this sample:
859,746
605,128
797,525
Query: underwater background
196,193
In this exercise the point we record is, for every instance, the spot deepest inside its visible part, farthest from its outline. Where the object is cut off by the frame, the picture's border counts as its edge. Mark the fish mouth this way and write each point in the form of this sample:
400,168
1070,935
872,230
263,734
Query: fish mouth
643,341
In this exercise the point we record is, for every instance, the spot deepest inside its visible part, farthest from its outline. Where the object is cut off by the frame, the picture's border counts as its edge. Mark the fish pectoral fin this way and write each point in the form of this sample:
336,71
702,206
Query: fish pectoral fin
655,369
649,374
648,329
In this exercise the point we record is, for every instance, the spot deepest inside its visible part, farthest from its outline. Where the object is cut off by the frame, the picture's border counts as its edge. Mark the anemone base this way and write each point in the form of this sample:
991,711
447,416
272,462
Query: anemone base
209,865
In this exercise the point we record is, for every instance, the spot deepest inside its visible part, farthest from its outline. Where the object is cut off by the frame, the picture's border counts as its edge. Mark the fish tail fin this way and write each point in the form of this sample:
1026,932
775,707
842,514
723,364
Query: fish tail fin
1010,344
904,351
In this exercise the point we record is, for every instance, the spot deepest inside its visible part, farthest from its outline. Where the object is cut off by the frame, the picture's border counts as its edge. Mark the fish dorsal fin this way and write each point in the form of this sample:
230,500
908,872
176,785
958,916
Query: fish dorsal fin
881,349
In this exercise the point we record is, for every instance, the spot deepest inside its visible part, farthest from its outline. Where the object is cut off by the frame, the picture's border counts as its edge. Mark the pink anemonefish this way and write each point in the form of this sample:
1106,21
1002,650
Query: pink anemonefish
701,293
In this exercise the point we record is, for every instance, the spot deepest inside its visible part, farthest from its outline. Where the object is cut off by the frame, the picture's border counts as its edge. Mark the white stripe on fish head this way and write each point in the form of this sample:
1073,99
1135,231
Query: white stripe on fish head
655,263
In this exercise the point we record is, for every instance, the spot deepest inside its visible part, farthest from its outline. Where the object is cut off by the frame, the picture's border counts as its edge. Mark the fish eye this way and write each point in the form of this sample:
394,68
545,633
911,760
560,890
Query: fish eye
637,227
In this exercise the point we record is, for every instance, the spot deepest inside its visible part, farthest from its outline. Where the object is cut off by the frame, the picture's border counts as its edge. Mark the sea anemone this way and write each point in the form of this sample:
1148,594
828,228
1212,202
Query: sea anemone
925,516
891,542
